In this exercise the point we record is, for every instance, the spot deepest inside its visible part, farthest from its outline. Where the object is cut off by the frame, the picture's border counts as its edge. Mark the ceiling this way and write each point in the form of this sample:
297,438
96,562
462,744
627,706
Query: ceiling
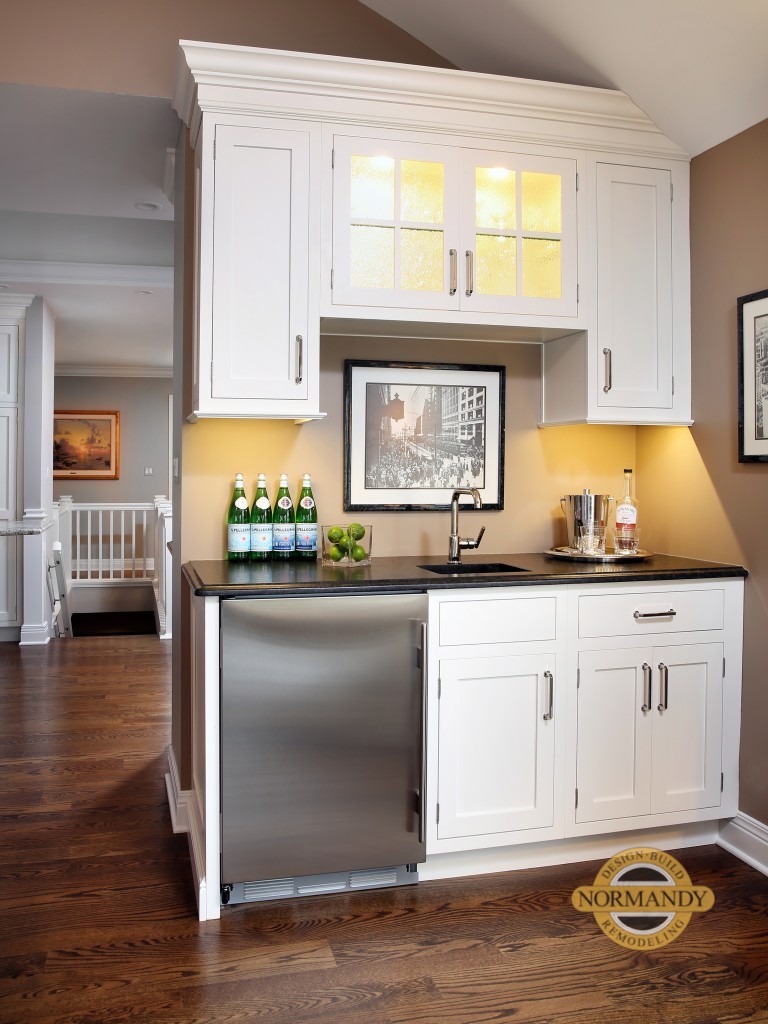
74,165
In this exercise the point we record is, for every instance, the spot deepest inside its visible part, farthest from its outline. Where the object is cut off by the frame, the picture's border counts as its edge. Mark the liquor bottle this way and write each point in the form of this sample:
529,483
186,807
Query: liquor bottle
626,507
283,524
306,522
261,523
238,527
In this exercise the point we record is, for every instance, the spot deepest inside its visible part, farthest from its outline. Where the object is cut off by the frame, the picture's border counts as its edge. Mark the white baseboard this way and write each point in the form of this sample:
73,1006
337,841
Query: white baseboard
747,839
178,799
186,817
565,851
35,633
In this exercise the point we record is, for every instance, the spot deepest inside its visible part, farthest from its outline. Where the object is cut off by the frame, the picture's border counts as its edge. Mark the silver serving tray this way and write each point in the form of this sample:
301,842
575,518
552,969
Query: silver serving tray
609,556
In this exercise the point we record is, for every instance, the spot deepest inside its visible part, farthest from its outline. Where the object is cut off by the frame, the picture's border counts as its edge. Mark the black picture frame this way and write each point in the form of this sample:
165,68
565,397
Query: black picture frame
752,316
413,432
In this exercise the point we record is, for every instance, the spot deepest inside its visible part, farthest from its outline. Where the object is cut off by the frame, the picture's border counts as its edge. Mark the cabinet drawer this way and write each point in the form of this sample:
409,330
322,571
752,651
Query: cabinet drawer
651,612
505,621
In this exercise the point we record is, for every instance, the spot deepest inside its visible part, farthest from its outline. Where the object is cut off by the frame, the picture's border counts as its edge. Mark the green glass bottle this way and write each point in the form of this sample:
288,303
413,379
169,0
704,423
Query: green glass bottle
238,525
306,522
283,524
261,523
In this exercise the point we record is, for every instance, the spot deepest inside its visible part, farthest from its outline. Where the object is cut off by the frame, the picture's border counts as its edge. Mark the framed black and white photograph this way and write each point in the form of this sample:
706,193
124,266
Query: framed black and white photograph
414,432
753,377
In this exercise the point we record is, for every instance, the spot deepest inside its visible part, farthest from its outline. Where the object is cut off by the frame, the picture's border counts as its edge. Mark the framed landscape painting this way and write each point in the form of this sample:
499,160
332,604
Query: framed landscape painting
414,432
86,445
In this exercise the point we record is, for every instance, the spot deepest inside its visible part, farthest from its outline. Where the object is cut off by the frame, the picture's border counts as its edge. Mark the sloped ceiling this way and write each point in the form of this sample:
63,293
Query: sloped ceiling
698,68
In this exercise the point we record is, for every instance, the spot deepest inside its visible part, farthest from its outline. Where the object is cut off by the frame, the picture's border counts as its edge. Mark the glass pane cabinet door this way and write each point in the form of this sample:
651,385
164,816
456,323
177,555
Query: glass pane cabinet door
395,208
519,244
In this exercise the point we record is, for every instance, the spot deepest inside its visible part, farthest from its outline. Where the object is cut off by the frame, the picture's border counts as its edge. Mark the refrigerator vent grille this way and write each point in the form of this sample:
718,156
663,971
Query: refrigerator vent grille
318,885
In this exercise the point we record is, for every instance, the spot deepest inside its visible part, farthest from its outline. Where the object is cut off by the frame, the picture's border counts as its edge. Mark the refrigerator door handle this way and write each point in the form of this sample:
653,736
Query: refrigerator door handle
422,809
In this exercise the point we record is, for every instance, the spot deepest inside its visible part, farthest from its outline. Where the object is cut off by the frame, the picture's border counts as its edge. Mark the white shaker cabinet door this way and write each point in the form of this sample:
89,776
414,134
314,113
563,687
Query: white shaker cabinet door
634,287
260,262
613,759
496,745
687,728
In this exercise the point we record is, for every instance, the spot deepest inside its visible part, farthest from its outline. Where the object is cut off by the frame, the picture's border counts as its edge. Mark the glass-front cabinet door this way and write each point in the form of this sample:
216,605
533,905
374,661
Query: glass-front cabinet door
395,209
442,227
518,233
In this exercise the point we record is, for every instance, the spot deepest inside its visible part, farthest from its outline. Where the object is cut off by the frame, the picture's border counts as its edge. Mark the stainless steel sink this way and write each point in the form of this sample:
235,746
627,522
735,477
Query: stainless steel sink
469,569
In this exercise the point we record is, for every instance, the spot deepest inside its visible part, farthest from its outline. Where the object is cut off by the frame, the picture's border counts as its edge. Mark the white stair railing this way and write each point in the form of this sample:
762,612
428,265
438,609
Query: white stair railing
112,542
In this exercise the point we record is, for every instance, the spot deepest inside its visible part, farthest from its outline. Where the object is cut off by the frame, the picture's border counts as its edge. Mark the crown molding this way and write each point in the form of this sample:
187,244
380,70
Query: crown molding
74,370
240,79
128,276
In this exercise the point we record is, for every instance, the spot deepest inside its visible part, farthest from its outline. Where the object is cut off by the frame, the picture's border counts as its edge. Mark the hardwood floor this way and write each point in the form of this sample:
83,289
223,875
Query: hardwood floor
98,919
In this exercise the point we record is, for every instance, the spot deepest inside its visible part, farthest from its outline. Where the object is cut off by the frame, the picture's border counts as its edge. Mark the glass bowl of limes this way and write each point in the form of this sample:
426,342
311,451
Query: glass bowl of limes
348,544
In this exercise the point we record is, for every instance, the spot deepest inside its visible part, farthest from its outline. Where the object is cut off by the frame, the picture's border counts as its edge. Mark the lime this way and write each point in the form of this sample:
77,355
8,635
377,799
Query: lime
335,553
356,531
344,542
358,553
335,534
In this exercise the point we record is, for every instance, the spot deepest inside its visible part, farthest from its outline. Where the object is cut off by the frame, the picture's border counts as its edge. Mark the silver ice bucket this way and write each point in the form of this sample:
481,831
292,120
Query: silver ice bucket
585,509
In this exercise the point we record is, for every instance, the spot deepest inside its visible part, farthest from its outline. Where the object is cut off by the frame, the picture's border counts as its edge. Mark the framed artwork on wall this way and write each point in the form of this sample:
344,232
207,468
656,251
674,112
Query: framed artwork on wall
413,432
753,377
86,445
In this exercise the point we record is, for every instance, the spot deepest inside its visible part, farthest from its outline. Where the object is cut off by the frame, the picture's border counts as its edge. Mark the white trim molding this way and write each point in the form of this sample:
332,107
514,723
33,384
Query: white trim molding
178,799
42,272
747,839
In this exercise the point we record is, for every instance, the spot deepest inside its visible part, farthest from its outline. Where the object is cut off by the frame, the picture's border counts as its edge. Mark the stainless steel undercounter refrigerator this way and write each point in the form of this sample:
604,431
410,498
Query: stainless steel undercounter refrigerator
322,743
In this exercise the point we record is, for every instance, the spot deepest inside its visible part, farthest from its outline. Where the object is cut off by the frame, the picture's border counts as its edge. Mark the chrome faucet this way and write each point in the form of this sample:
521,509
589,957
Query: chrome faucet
457,543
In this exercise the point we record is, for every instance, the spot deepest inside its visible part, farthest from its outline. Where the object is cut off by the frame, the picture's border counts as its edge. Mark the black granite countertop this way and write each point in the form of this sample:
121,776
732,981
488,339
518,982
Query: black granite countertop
405,574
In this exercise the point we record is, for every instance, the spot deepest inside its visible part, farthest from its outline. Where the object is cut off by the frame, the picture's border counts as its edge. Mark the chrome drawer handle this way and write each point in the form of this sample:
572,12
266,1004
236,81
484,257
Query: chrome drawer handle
655,615
469,256
299,358
608,371
647,686
663,687
551,712
454,271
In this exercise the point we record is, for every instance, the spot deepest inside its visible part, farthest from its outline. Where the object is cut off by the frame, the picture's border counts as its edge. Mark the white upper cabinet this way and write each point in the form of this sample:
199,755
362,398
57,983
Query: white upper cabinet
387,200
634,286
257,324
451,230
632,364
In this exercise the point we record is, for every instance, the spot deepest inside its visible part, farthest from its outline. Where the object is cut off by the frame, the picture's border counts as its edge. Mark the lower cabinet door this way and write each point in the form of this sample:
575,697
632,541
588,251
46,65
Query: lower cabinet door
613,753
687,727
649,731
496,745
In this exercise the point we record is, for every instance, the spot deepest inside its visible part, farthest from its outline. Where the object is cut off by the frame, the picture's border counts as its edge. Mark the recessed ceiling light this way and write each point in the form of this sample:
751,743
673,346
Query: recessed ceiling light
143,291
148,207
5,286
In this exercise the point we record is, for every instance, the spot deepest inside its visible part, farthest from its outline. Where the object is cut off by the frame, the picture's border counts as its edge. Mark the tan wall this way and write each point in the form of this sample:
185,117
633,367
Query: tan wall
696,495
130,46
541,465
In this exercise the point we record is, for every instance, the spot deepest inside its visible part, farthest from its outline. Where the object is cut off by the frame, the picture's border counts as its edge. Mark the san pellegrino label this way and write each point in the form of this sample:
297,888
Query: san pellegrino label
283,523
261,523
238,524
306,521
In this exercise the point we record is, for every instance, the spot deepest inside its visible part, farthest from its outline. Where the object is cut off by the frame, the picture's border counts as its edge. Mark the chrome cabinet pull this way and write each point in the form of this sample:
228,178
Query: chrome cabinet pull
608,371
655,615
299,359
551,712
454,271
663,687
646,687
423,754
470,272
